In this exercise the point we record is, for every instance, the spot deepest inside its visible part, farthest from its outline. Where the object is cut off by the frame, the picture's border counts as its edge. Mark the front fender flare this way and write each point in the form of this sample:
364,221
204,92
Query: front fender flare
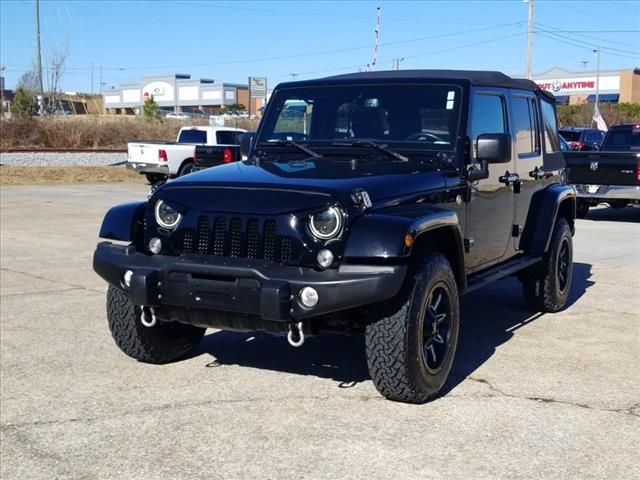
381,235
120,222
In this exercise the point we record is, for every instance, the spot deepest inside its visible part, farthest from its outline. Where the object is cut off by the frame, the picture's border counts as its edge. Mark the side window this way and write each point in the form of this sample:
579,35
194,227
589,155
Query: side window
225,137
525,125
551,140
487,116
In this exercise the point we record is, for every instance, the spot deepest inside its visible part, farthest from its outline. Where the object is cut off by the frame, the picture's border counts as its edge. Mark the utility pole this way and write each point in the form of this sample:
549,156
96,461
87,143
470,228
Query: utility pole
395,63
372,66
529,40
39,53
596,107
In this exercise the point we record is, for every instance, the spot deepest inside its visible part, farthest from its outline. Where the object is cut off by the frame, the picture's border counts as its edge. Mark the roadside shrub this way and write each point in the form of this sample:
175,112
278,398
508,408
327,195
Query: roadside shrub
151,110
613,114
23,104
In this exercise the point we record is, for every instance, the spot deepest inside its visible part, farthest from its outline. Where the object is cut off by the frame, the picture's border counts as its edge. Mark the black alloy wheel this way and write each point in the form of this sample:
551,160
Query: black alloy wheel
436,331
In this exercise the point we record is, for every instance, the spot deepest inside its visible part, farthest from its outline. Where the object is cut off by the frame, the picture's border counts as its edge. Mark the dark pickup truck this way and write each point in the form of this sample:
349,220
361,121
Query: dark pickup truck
611,175
368,211
207,156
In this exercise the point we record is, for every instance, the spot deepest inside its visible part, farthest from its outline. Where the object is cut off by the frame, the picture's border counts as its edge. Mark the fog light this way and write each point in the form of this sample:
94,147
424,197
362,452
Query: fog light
127,278
155,245
324,258
309,297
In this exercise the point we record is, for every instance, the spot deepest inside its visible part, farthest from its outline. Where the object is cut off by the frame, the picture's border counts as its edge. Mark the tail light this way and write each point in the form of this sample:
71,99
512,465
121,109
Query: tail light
638,170
227,156
162,155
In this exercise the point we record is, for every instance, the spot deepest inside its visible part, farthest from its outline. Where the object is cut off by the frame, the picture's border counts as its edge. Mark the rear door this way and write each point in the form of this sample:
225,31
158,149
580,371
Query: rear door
526,130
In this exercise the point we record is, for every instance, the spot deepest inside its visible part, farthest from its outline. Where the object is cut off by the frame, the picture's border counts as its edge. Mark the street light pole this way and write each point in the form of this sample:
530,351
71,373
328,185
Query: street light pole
529,40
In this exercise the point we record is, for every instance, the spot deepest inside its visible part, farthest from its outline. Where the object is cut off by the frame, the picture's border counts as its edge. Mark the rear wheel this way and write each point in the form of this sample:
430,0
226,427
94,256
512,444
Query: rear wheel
186,168
154,178
410,350
582,208
546,285
162,343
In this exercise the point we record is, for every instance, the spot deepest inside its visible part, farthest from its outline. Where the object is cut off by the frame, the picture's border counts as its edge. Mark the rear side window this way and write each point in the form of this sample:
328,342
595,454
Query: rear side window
524,125
193,136
625,138
593,137
227,137
551,140
487,116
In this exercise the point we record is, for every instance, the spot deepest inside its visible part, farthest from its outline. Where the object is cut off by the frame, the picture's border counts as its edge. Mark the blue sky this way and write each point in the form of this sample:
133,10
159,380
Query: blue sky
228,41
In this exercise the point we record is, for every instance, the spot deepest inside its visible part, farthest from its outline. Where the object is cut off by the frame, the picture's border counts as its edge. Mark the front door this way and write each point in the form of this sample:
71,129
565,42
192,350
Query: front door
489,214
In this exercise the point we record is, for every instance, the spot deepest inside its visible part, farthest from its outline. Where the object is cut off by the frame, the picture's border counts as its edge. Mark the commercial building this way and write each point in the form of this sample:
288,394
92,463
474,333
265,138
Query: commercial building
614,86
179,92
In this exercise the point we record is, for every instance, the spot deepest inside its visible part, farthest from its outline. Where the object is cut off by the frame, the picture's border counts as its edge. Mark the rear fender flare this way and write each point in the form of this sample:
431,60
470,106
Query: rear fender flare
546,205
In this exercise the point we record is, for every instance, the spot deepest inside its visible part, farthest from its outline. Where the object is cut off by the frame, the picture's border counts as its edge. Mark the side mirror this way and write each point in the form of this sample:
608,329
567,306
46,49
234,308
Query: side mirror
493,148
246,139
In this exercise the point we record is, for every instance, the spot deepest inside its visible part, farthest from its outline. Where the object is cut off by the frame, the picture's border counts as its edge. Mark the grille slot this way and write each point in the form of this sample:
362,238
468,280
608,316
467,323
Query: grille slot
203,235
219,236
238,238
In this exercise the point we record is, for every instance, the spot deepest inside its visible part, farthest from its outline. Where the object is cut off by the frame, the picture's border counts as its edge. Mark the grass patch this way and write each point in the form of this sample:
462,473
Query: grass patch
10,175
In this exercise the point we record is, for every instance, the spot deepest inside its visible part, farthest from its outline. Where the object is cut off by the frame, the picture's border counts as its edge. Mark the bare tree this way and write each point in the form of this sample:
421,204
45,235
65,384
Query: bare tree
55,72
29,81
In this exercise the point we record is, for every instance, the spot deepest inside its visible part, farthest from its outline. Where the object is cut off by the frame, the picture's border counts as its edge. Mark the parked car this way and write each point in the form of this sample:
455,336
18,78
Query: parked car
162,160
178,115
350,220
611,175
582,139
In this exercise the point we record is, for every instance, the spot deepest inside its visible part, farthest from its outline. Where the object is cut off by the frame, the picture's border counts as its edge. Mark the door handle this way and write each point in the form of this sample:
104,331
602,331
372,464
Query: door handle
537,173
508,178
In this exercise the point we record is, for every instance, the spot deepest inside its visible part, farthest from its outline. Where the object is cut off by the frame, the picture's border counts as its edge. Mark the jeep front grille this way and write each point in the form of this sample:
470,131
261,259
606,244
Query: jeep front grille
238,238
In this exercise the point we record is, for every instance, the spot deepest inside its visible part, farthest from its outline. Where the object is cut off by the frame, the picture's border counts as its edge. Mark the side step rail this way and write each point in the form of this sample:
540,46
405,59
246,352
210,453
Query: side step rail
481,279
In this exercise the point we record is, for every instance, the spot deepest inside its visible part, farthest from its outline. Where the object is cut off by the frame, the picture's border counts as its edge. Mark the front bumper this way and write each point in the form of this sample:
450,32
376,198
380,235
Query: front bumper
142,167
246,286
608,192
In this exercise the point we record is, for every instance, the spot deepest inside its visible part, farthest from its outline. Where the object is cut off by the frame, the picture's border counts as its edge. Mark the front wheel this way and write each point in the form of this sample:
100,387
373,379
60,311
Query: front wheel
546,285
162,343
410,346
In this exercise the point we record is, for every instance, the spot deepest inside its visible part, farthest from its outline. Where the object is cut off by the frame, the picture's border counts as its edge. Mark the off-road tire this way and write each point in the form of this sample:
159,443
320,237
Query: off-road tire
186,168
543,287
394,336
162,343
582,209
154,178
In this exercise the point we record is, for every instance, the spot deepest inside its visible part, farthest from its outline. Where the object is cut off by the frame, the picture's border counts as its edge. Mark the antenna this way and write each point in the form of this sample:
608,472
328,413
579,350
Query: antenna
372,65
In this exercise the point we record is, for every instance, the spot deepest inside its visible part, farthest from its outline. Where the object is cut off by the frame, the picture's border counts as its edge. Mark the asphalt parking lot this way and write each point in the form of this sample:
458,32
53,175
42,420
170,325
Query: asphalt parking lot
551,396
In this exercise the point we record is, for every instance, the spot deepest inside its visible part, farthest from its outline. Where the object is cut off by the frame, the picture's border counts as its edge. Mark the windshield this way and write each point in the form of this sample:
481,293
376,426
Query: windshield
570,135
399,116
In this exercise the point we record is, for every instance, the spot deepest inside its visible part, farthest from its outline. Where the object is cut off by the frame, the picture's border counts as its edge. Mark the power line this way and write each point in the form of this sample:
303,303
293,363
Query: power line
599,40
588,43
578,45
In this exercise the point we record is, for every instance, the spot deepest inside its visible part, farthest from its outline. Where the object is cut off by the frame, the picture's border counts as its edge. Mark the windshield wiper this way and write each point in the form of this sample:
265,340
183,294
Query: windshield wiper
290,143
376,146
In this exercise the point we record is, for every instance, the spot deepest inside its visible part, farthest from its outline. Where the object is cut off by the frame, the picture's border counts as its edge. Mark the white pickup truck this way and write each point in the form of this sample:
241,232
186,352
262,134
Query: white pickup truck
161,160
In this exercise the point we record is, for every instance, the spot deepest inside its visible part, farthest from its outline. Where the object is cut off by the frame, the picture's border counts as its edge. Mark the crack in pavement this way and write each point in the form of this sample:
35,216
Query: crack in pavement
499,392
71,286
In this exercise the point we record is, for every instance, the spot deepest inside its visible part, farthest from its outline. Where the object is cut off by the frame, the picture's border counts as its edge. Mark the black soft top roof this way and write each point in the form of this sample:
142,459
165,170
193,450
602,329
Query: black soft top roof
474,77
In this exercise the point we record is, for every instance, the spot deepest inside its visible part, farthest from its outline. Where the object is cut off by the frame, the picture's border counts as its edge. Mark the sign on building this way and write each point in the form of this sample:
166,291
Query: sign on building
585,85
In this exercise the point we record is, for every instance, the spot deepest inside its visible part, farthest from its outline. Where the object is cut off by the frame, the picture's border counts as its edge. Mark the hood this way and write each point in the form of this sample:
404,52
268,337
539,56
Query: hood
318,180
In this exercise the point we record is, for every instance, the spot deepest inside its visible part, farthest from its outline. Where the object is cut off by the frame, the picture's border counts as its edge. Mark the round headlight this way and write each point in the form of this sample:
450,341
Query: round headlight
167,216
327,224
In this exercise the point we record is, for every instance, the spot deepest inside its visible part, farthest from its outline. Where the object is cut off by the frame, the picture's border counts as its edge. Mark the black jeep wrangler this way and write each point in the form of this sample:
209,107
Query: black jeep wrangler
368,204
